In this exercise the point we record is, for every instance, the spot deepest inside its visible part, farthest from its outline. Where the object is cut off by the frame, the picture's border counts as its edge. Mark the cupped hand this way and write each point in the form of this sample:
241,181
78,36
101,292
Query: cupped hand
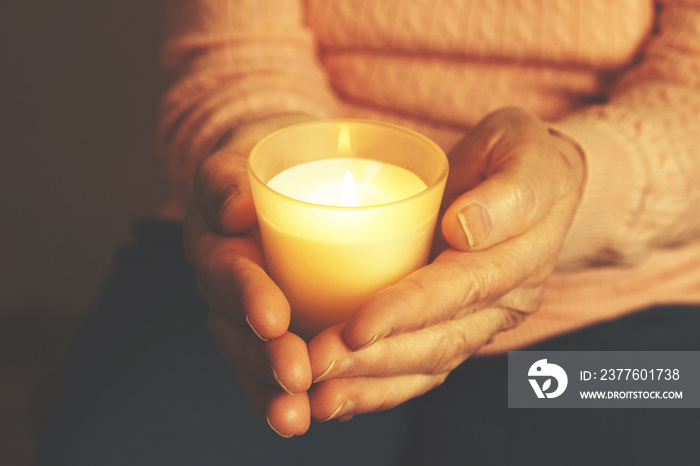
249,316
513,189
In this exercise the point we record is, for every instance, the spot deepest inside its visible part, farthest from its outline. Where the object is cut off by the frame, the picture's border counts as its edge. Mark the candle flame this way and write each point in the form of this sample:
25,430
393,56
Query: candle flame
349,194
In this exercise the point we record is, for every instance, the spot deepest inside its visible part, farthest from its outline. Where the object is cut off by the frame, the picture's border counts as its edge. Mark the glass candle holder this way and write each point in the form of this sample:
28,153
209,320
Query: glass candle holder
345,208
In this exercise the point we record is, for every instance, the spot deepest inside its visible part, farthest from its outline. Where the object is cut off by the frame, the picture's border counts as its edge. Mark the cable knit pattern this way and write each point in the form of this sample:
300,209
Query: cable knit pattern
232,61
621,78
531,30
546,56
651,120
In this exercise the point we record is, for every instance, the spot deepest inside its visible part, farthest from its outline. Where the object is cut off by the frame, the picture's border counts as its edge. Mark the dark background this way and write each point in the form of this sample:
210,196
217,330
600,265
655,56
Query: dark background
80,89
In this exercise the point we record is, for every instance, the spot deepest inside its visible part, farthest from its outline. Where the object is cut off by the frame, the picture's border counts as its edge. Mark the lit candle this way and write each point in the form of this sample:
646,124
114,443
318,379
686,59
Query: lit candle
345,209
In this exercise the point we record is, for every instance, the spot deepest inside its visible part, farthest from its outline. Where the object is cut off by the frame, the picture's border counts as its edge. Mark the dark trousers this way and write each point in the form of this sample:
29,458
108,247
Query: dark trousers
146,386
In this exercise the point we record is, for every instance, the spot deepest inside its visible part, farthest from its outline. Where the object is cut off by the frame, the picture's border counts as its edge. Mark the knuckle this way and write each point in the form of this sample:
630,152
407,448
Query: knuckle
421,296
524,300
512,318
524,195
490,280
206,170
451,346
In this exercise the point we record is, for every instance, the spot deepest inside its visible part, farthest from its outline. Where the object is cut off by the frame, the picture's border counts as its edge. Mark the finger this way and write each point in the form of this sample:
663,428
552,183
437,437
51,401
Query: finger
342,398
458,283
288,415
282,362
454,285
222,192
241,348
289,359
231,278
433,350
222,188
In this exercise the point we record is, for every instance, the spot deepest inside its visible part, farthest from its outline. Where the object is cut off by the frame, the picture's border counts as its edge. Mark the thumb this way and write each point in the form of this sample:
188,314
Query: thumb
222,188
511,170
222,192
500,208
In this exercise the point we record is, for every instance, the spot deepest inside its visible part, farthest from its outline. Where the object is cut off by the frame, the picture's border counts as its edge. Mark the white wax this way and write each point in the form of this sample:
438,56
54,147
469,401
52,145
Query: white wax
321,182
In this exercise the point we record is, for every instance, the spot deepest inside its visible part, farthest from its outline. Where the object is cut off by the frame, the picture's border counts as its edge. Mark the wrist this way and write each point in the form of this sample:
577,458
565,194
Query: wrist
608,201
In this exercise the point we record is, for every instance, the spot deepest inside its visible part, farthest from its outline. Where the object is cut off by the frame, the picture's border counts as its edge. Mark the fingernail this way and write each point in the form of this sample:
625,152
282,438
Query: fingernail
338,367
247,319
372,341
274,374
345,409
325,373
275,430
476,223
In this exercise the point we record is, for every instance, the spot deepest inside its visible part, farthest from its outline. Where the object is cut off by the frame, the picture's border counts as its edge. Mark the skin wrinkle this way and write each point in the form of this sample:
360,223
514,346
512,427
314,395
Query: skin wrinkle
473,294
451,351
458,345
467,298
426,301
450,340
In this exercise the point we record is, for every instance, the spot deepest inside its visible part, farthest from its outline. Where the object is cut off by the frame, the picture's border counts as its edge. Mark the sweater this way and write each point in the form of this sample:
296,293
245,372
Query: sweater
621,79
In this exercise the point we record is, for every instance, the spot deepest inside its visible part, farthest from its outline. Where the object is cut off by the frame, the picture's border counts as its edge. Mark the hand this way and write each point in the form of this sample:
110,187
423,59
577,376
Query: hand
249,316
513,189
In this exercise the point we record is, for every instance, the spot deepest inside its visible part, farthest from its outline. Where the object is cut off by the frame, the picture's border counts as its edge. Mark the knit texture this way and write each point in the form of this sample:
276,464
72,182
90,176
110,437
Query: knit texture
620,78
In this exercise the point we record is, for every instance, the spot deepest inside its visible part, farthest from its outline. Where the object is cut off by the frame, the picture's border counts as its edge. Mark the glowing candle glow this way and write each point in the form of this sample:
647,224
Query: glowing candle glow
346,208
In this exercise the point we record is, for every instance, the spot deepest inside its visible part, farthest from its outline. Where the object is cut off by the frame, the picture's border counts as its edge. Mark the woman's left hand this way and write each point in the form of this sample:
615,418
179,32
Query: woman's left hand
512,193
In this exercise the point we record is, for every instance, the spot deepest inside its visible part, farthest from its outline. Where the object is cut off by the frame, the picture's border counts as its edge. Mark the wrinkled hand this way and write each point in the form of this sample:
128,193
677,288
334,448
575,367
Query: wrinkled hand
249,315
513,189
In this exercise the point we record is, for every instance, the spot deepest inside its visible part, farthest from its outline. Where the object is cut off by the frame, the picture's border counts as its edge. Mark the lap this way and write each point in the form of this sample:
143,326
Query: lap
468,417
146,385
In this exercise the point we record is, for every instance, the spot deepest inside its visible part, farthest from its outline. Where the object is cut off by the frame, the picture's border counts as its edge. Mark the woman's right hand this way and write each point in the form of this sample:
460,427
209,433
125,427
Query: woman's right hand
249,316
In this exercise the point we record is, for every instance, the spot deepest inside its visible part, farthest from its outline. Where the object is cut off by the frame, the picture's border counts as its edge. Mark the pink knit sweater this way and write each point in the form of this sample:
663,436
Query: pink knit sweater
620,78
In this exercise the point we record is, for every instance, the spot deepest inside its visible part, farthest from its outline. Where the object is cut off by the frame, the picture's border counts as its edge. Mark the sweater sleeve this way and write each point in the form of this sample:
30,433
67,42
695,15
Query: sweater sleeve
228,62
643,150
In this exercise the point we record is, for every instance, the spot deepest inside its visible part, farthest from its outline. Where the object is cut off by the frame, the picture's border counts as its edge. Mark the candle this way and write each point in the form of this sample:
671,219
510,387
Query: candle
345,208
